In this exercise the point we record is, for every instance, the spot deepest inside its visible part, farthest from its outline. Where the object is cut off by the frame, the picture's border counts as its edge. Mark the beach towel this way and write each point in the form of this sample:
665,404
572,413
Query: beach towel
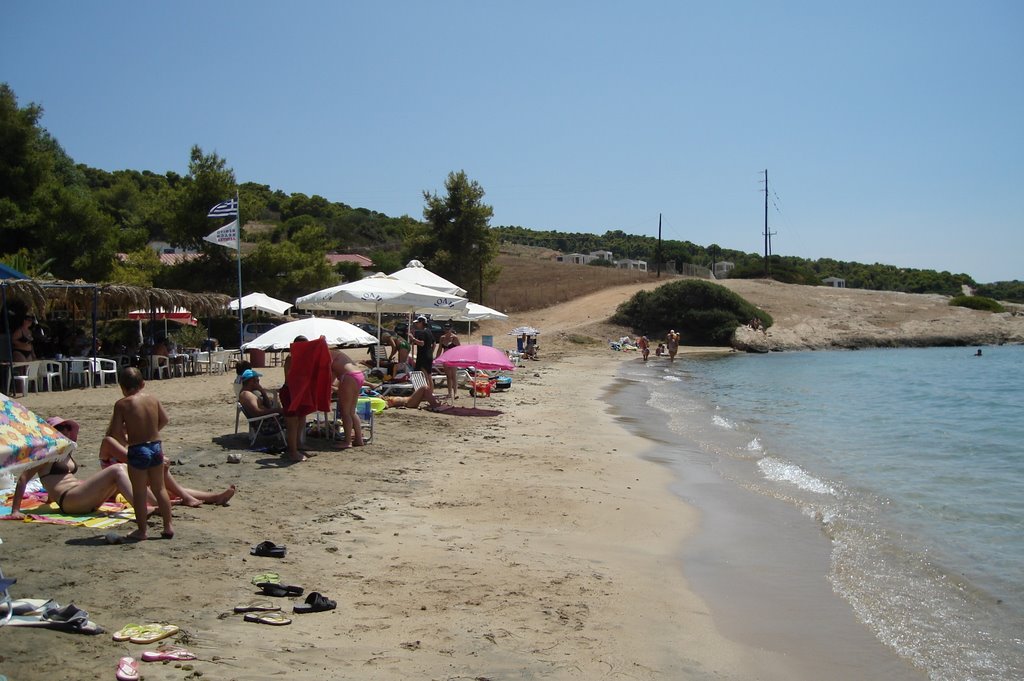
309,378
37,510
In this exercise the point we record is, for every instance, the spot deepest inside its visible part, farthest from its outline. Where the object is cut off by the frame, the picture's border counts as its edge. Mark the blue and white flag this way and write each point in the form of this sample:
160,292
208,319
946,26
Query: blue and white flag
224,209
226,236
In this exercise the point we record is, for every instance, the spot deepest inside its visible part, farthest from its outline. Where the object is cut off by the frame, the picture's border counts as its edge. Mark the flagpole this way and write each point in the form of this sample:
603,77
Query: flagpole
238,249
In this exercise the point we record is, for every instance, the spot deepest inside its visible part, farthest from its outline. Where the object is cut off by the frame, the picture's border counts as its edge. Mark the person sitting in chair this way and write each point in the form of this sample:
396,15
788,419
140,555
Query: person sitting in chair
530,350
254,398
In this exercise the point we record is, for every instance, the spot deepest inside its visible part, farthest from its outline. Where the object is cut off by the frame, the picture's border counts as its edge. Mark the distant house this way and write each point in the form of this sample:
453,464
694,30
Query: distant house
585,258
574,258
169,255
630,264
361,260
722,268
834,282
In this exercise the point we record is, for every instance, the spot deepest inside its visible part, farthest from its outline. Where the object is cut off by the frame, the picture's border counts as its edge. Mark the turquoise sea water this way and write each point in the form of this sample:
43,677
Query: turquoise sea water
910,461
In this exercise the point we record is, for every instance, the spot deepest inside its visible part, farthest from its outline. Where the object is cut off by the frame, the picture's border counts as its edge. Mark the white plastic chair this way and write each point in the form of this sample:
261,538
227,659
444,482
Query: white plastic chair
25,374
158,366
80,372
50,371
106,369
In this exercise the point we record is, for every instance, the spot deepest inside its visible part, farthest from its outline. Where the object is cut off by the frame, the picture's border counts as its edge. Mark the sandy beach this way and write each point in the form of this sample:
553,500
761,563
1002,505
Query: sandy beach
535,541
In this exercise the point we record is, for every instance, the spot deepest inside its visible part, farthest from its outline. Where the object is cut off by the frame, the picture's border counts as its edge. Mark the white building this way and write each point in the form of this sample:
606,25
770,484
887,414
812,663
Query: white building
629,264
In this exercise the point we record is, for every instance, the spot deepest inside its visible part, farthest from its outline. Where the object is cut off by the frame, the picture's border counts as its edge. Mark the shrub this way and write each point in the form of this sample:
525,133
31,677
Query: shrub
702,312
977,303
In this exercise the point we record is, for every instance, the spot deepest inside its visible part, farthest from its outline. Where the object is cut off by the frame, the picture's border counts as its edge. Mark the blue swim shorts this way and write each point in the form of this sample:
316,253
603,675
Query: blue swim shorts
146,455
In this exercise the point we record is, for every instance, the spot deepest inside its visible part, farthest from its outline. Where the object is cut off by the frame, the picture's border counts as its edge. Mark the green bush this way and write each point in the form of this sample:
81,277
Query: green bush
977,303
702,312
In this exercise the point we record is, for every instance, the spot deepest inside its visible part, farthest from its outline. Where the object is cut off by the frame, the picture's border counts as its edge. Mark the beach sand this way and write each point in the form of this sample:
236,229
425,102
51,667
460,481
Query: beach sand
523,544
536,541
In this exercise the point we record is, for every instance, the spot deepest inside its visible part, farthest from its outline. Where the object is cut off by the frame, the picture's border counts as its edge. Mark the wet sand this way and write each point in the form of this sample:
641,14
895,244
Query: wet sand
760,565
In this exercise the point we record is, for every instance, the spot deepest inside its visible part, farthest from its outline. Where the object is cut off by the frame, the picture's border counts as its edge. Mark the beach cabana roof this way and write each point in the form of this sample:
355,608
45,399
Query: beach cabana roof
40,294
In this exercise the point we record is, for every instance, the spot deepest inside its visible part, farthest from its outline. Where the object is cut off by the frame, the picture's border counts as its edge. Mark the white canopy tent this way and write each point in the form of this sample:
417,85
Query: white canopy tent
474,312
261,302
415,273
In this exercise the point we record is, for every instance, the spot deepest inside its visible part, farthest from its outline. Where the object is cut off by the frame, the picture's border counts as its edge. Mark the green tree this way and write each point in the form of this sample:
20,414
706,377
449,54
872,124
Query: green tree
456,242
209,181
139,268
704,313
291,268
46,207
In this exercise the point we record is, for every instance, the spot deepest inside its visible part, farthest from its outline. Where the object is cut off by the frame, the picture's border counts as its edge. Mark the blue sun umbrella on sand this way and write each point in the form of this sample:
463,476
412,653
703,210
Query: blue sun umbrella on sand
27,440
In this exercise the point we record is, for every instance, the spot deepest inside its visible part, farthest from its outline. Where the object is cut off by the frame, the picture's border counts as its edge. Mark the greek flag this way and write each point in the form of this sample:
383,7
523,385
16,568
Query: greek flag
224,209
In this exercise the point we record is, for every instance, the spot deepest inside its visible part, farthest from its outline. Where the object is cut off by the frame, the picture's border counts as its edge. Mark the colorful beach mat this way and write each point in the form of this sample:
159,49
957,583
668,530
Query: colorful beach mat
36,510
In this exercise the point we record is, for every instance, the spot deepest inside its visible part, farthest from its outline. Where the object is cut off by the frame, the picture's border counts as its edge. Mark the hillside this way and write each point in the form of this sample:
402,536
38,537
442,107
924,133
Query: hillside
806,317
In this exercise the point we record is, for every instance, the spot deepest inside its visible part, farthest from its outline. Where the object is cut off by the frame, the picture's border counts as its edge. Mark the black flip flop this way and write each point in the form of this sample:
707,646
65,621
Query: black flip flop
268,549
280,590
315,602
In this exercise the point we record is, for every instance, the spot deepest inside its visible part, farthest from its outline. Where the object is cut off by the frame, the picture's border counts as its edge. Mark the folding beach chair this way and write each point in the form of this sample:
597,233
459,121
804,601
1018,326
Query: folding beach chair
270,425
364,412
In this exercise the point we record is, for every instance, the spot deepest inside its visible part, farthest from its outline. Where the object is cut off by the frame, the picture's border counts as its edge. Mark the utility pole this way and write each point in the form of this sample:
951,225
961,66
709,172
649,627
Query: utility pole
767,262
658,255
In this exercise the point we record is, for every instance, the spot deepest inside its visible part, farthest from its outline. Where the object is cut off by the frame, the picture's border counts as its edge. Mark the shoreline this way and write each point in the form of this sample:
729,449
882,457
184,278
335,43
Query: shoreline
759,564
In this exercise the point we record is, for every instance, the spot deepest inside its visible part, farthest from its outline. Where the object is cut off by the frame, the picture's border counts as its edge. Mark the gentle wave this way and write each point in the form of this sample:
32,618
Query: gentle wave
781,471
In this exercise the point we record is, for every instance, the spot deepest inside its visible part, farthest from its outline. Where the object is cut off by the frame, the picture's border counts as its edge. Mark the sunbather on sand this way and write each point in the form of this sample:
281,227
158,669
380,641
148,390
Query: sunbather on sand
113,452
421,394
73,496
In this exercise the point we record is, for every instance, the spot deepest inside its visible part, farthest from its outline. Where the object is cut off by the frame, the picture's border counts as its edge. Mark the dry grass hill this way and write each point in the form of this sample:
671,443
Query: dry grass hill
572,303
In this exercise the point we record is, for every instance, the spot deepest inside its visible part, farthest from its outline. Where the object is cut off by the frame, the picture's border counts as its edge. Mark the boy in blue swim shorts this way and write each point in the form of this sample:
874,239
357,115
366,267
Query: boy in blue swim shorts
138,419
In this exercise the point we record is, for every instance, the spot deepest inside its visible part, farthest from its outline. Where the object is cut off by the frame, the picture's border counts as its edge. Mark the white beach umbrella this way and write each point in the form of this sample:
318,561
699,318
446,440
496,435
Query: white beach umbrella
416,273
261,302
473,312
380,293
335,331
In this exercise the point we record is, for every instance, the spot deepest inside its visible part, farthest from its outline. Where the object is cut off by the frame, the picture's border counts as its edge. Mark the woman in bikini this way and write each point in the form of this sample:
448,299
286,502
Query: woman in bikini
350,380
447,341
22,341
73,496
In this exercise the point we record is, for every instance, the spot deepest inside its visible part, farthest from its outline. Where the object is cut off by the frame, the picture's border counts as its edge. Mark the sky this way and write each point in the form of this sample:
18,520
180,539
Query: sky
891,132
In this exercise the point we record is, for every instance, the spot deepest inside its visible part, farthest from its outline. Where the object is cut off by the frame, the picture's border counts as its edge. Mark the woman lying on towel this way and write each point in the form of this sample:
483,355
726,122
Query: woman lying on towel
76,497
73,496
422,394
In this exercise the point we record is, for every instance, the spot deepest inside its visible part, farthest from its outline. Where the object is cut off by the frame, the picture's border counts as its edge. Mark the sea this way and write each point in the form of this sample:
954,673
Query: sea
903,468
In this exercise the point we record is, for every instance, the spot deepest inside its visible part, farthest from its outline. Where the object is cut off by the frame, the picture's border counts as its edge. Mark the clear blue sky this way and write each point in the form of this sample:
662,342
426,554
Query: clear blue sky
892,132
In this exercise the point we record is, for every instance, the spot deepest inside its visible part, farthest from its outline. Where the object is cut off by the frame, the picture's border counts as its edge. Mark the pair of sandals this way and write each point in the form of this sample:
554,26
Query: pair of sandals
145,633
266,613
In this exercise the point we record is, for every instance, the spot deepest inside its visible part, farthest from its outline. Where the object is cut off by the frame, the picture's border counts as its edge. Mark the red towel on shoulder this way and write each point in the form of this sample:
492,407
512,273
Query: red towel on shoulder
309,378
